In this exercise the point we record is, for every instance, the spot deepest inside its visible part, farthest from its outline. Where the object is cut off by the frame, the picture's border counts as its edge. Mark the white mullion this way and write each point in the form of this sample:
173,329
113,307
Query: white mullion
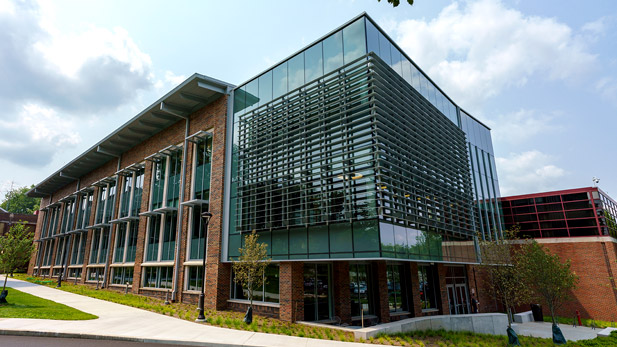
132,194
126,241
194,179
148,231
161,236
98,252
152,179
105,203
166,180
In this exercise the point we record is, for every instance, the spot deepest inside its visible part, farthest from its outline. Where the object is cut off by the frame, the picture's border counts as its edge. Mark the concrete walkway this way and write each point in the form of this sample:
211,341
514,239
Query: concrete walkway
544,329
119,322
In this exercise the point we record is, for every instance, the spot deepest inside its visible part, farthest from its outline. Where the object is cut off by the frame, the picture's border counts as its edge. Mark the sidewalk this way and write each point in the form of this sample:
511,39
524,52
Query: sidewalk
544,329
119,322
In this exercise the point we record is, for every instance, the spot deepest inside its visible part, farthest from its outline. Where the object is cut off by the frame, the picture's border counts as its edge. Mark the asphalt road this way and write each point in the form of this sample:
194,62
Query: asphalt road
29,341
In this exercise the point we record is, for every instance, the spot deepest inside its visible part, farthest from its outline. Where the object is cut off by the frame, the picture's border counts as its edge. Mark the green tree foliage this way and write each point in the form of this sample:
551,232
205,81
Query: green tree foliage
16,248
503,268
16,201
250,268
550,279
397,2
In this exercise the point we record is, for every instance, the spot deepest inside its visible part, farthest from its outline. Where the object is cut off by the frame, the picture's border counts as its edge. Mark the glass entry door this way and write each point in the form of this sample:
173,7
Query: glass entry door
317,303
456,285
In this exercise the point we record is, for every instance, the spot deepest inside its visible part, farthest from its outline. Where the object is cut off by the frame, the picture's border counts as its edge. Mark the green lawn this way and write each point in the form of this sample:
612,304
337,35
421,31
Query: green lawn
22,305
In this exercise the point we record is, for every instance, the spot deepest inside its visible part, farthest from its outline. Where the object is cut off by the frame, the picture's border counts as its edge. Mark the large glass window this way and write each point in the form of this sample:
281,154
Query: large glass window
100,245
105,202
269,292
360,291
317,303
427,276
85,207
173,183
78,249
196,243
161,239
195,277
397,288
132,188
126,242
158,183
122,275
158,277
203,158
68,216
166,169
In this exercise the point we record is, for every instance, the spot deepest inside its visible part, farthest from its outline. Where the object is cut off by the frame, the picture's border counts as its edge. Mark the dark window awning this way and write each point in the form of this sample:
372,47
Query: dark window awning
194,93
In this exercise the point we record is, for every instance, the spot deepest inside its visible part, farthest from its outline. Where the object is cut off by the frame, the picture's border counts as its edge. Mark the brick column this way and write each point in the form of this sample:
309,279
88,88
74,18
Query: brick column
342,296
291,287
443,291
415,302
382,309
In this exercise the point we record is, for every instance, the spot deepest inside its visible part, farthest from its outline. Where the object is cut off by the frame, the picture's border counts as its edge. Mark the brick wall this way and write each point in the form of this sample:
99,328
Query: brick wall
211,117
291,291
341,293
382,309
594,261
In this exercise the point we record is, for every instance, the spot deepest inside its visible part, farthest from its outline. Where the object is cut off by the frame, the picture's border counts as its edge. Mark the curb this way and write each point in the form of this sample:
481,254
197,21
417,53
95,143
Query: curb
113,338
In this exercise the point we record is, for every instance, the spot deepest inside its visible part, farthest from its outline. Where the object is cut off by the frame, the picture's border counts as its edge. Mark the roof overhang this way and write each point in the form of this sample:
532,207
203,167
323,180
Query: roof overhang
194,93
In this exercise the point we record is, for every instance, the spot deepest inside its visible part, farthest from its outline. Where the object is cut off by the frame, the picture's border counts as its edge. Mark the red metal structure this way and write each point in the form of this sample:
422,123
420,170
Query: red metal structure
564,213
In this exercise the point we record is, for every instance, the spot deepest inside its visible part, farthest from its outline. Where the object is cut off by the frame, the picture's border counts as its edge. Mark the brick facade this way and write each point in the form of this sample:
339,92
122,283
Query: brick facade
291,291
594,260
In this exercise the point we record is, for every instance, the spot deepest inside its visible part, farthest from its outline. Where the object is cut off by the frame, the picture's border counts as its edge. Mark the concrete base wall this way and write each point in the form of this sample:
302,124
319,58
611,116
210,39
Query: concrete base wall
484,323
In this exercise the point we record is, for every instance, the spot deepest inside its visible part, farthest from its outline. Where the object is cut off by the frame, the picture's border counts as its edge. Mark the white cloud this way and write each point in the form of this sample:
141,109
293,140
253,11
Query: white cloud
54,81
475,50
174,79
528,172
89,72
520,126
32,138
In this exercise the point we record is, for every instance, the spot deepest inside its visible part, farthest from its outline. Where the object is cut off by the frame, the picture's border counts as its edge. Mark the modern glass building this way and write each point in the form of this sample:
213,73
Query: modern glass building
369,185
347,150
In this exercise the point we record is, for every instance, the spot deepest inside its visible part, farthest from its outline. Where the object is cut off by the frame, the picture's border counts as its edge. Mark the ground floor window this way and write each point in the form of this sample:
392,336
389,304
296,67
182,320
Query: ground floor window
49,246
122,275
95,274
158,277
56,271
397,288
427,276
44,272
317,304
269,292
195,277
75,272
359,283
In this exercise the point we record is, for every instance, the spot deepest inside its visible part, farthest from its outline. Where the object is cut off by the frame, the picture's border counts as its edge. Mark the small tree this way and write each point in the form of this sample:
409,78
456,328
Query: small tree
16,201
16,248
504,275
250,268
551,279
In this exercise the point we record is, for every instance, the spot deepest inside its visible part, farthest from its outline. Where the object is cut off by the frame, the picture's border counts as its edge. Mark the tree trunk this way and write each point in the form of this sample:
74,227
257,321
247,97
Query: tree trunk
6,277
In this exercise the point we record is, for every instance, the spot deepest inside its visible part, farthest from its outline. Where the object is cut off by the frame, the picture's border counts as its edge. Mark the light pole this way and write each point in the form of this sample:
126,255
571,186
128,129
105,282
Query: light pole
205,217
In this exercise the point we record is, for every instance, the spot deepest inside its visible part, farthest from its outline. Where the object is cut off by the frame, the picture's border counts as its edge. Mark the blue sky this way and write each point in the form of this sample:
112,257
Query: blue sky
541,74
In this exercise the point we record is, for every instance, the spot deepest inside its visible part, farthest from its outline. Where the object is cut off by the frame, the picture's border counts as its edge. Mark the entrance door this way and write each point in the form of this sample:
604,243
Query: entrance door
452,299
317,303
462,298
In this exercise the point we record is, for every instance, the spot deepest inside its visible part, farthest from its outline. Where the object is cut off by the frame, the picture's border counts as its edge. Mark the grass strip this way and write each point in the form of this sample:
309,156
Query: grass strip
24,305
